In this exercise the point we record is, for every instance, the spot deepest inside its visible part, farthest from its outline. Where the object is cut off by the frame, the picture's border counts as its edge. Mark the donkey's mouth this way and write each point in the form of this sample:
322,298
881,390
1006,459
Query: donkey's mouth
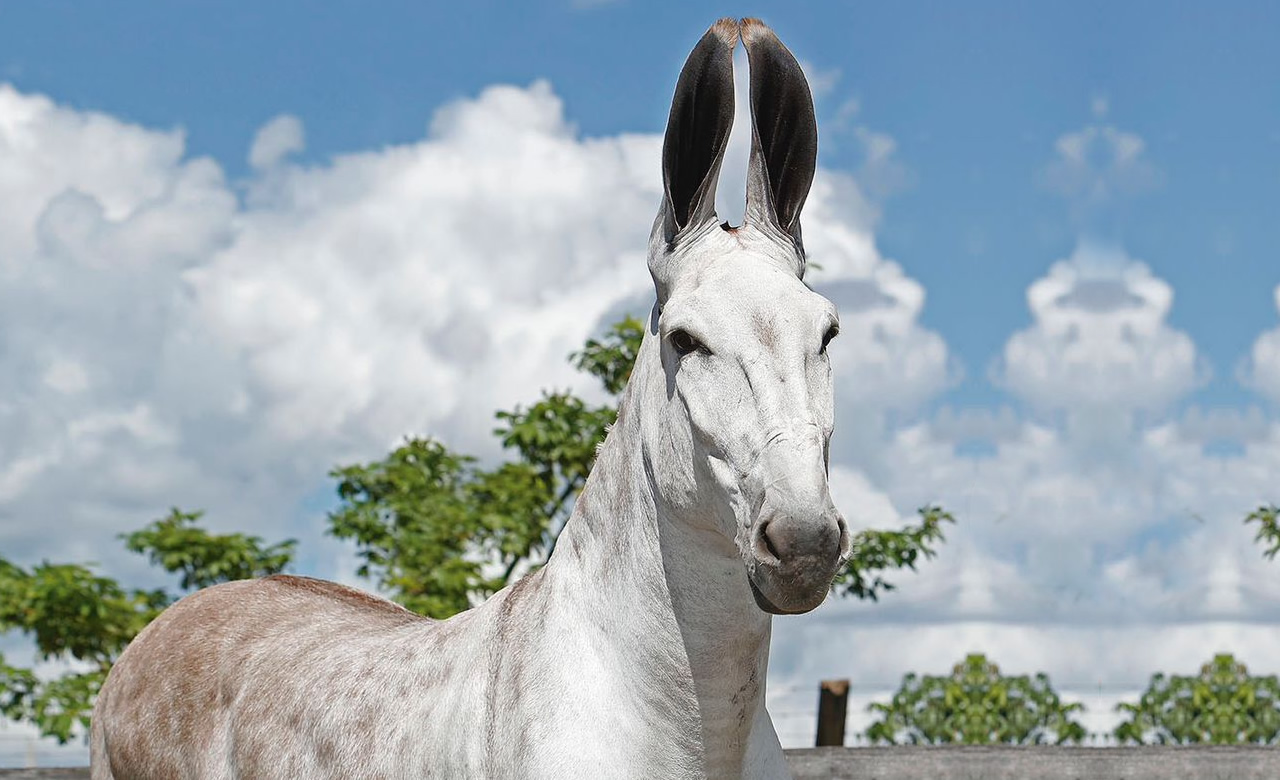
763,602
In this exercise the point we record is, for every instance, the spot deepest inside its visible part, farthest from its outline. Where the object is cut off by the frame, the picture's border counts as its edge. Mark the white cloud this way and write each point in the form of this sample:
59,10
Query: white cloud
1261,371
396,289
862,504
276,140
821,80
881,173
1103,505
884,359
167,342
1100,344
1099,162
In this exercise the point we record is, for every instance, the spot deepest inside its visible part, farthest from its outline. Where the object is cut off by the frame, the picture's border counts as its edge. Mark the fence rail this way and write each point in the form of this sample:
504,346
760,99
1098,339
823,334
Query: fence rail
1039,762
979,763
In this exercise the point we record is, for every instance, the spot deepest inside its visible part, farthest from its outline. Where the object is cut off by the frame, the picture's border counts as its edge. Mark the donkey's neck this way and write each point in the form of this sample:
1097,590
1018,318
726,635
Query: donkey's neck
692,624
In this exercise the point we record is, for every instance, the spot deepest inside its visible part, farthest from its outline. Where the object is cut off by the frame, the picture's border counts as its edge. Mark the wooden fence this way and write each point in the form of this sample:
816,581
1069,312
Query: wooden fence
979,763
1011,762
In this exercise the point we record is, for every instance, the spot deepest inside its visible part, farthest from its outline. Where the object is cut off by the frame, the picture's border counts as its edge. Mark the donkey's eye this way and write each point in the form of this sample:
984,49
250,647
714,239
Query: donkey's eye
831,333
683,343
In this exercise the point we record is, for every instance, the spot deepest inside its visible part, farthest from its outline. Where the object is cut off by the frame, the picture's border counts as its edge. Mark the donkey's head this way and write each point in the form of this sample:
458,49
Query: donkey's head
740,444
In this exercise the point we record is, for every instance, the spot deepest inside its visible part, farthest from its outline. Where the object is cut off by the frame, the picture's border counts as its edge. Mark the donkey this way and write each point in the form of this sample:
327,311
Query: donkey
640,648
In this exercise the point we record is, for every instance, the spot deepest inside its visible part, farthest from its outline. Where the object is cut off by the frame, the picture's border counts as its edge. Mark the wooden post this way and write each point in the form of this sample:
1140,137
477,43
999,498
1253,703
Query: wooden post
833,702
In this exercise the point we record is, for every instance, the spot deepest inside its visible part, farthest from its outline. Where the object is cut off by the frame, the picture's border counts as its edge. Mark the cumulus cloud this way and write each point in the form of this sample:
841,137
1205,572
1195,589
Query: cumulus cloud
1100,162
1103,503
430,284
99,222
821,80
276,140
1100,340
1097,564
1261,370
884,358
166,341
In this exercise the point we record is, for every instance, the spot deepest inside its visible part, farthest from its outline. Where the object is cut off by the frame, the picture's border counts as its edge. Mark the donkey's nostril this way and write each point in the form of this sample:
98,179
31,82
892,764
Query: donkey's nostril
768,543
787,541
765,549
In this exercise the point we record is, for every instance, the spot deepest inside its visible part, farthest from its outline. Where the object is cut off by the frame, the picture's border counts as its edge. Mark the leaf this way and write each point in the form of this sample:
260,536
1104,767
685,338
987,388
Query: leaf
70,611
1268,520
611,358
416,526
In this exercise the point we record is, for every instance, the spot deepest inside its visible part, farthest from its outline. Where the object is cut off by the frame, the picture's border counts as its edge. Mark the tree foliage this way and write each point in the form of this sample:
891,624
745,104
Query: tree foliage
1222,705
84,619
611,359
975,705
201,559
1268,520
875,551
73,614
411,516
60,707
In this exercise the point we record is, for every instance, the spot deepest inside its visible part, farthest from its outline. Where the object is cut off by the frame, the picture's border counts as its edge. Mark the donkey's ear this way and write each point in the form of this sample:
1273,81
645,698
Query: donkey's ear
698,130
784,132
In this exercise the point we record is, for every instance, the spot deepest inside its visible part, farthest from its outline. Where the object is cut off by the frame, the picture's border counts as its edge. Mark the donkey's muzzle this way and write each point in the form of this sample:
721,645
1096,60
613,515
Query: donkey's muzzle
795,559
798,540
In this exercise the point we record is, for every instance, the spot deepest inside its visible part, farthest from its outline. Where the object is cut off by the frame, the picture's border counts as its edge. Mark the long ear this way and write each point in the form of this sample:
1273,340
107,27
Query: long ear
698,130
784,132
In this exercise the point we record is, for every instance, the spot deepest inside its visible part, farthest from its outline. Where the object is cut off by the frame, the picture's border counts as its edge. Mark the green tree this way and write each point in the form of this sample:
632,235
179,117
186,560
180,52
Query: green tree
876,551
70,613
438,532
975,705
77,616
611,359
1222,705
177,545
1268,520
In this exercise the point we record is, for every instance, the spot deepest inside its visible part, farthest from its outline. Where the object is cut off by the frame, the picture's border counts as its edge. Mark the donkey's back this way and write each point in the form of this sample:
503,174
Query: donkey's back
278,677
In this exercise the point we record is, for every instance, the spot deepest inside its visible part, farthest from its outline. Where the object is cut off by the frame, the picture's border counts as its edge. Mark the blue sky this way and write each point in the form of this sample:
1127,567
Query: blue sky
974,95
1051,229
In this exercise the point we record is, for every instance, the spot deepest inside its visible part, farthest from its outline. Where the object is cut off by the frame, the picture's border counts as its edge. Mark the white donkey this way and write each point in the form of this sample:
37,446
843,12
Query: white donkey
640,649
